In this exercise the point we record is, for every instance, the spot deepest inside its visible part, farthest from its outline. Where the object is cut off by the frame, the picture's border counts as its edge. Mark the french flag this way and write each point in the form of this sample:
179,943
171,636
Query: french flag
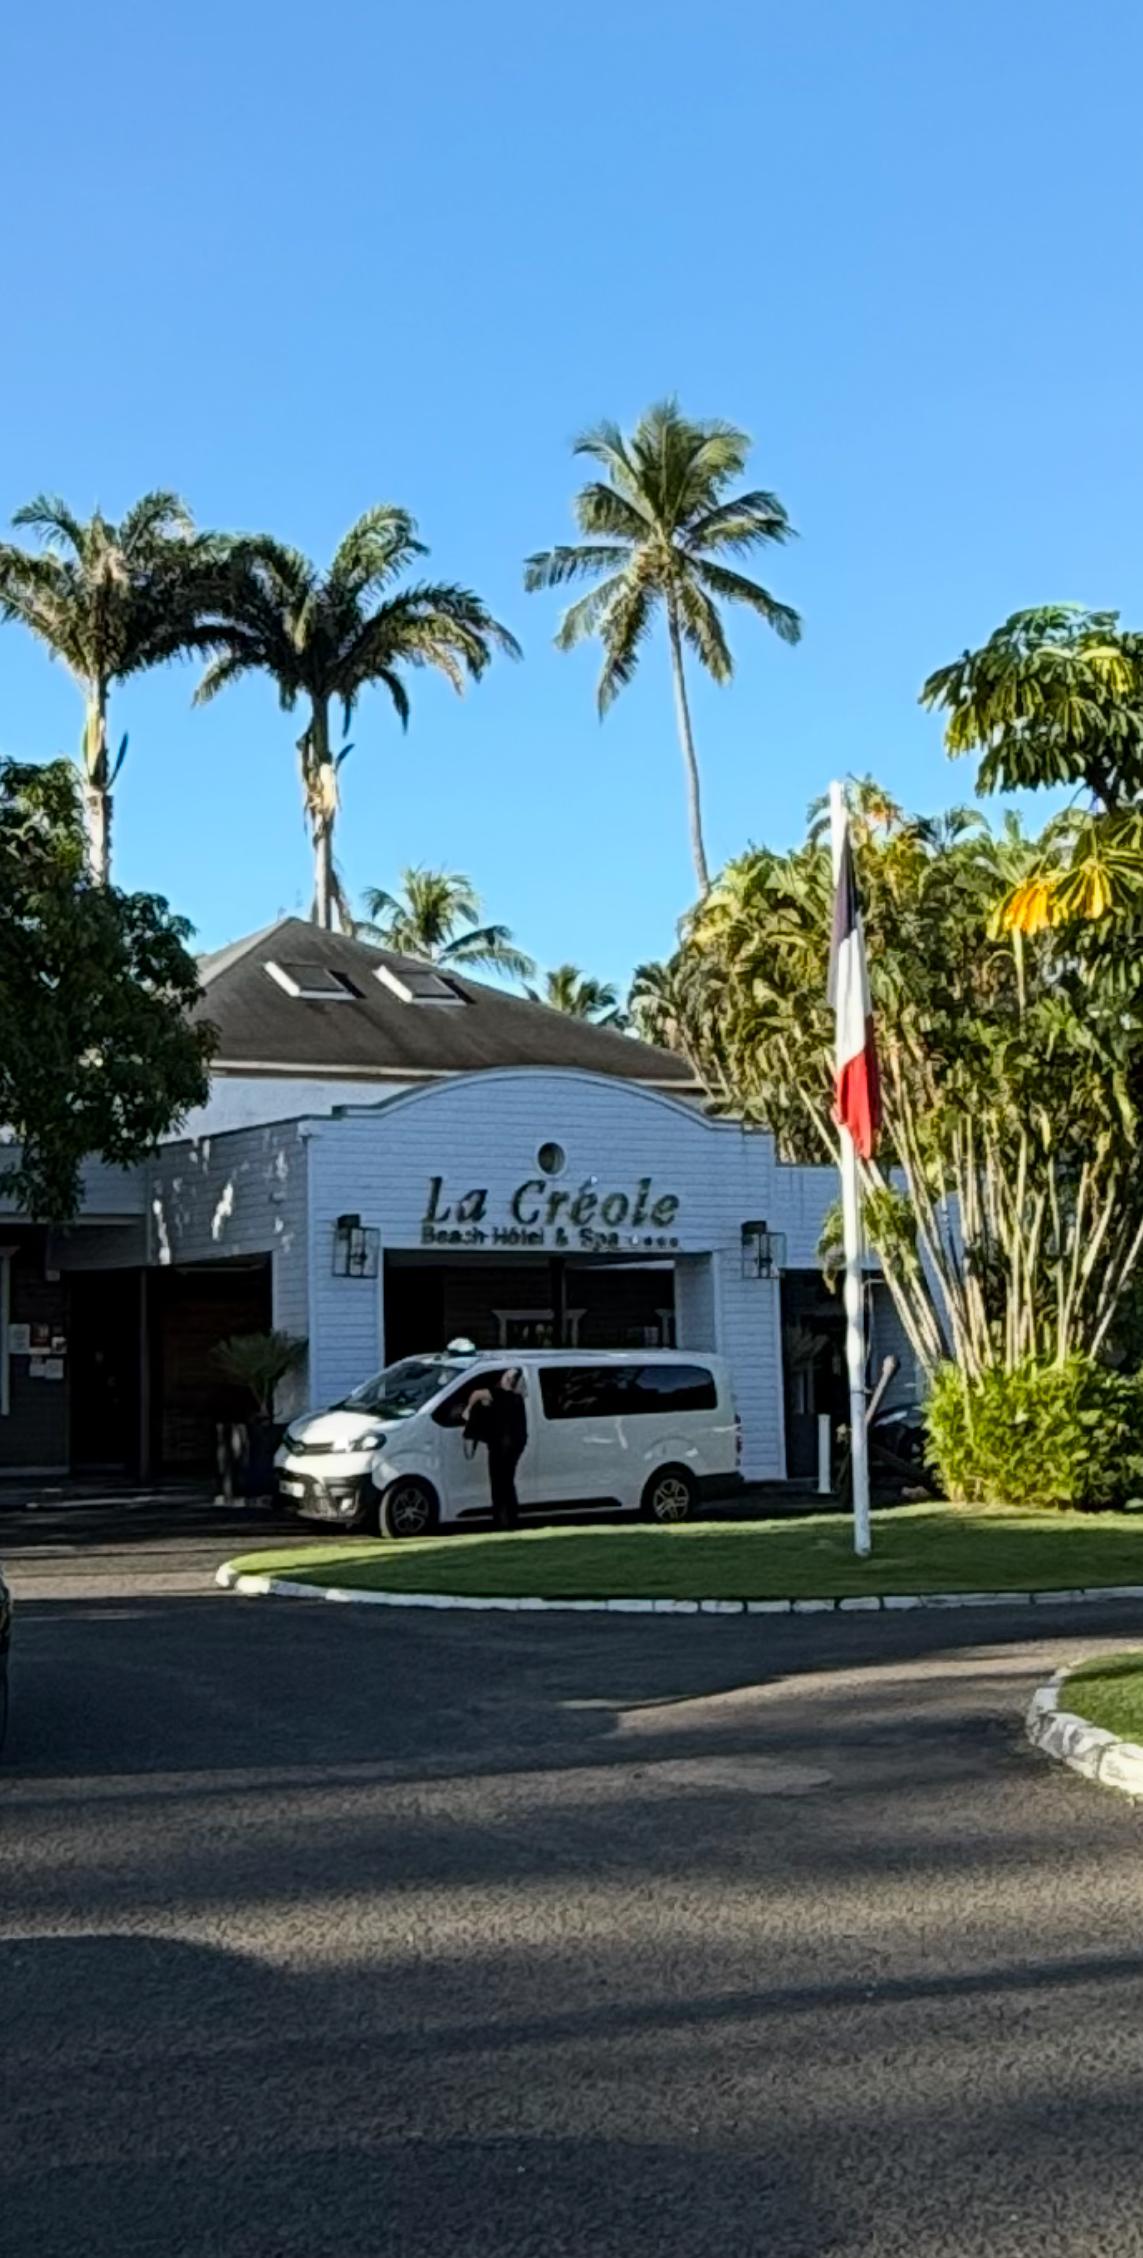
858,1084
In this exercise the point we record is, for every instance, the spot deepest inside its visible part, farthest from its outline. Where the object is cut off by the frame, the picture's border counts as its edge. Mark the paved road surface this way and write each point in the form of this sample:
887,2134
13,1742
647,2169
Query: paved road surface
330,1933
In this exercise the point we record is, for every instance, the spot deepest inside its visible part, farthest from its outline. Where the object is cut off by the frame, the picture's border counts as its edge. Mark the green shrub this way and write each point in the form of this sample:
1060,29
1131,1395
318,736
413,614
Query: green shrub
1043,1434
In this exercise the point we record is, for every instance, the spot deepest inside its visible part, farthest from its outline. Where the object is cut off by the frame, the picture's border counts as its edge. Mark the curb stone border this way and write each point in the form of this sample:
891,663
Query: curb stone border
1090,1750
231,1579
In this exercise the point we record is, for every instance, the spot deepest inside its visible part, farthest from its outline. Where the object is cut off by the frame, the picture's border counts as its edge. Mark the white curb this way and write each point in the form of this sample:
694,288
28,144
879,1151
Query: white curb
232,1579
1088,1749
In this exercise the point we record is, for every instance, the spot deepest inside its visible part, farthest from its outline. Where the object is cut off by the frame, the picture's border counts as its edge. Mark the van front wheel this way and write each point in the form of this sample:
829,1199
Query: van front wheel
670,1495
408,1509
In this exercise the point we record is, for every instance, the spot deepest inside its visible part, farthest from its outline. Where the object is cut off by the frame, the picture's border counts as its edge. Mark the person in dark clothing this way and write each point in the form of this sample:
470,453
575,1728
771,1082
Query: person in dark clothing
497,1418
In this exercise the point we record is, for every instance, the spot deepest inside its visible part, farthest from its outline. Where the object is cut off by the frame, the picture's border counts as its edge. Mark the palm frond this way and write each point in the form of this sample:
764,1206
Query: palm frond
388,679
737,589
703,630
156,517
378,903
684,465
488,948
581,619
259,563
422,921
743,522
626,628
721,454
601,509
575,993
49,516
552,568
229,667
606,444
33,585
375,548
433,624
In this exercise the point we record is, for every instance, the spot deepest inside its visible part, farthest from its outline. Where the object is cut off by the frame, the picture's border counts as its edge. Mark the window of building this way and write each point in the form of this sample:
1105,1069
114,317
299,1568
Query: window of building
626,1391
419,984
314,983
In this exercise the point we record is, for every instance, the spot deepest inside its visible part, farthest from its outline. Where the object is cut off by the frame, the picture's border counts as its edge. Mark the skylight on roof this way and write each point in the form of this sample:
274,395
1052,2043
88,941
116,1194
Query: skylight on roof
419,984
313,982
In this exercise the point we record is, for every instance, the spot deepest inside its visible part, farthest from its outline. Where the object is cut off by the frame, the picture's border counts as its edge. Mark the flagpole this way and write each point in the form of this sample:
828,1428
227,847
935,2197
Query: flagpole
854,1286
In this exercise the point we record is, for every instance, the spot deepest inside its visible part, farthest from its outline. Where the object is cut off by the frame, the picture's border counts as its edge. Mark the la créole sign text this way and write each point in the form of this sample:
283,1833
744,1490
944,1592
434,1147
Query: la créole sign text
538,1214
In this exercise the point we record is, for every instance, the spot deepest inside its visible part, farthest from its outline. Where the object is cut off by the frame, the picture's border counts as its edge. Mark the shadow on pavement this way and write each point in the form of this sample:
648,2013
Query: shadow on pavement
179,2098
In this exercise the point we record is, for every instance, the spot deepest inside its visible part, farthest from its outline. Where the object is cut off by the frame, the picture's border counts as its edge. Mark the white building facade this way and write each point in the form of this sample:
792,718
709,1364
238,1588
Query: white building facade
511,1205
391,1159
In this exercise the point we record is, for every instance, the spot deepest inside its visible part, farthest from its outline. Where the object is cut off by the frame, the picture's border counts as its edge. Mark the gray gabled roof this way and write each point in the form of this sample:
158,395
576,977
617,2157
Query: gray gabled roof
261,1026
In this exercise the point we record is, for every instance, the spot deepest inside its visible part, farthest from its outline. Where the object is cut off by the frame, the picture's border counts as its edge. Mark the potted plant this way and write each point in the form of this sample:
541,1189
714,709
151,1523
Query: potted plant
255,1363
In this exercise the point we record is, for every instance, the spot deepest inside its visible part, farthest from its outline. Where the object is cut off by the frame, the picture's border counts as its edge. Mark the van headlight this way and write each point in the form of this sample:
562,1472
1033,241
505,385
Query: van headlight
374,1440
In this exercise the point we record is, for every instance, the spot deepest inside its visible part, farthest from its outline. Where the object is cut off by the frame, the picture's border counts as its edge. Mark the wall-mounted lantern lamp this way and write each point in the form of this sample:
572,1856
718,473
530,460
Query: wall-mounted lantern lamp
356,1248
763,1251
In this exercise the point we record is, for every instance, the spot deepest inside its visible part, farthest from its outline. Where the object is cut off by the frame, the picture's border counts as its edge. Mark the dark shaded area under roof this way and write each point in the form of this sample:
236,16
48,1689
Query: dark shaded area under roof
260,1025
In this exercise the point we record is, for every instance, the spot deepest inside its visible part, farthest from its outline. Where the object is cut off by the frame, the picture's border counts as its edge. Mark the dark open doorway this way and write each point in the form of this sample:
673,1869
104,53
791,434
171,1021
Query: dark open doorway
813,1366
106,1348
192,1310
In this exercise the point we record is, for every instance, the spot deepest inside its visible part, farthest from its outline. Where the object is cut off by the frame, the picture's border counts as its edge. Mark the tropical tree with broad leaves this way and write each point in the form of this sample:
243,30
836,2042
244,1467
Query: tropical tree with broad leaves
437,916
1005,1200
98,1051
325,637
1055,697
569,990
108,601
660,526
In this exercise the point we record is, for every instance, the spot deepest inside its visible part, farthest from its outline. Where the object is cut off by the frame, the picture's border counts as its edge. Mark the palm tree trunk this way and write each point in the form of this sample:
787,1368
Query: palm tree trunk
96,788
686,739
323,873
319,783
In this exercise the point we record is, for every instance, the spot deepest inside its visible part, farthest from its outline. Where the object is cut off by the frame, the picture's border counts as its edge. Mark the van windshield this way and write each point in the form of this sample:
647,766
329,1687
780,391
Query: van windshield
403,1388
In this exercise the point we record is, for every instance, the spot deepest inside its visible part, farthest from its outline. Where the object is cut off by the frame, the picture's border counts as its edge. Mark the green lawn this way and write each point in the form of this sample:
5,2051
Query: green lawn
915,1549
1108,1692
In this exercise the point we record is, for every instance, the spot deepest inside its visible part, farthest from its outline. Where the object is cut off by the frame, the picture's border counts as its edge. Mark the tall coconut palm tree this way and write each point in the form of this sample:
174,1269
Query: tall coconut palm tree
324,637
659,523
108,600
568,989
436,916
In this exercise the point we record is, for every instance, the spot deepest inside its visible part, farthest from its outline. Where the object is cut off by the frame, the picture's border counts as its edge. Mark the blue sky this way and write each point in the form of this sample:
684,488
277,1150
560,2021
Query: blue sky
293,260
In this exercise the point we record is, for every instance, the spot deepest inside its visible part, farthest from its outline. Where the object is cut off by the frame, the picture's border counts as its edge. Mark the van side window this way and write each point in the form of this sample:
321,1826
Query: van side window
676,1387
582,1391
611,1391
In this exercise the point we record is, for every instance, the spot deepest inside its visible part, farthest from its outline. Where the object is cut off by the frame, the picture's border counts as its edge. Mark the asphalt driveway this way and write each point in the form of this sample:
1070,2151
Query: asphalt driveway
331,1932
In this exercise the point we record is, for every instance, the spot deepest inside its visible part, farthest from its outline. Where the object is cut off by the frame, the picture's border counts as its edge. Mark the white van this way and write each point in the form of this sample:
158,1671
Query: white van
650,1429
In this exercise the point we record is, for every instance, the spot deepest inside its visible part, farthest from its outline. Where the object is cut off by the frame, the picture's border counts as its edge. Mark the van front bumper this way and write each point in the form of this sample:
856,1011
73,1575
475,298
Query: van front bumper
317,1497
